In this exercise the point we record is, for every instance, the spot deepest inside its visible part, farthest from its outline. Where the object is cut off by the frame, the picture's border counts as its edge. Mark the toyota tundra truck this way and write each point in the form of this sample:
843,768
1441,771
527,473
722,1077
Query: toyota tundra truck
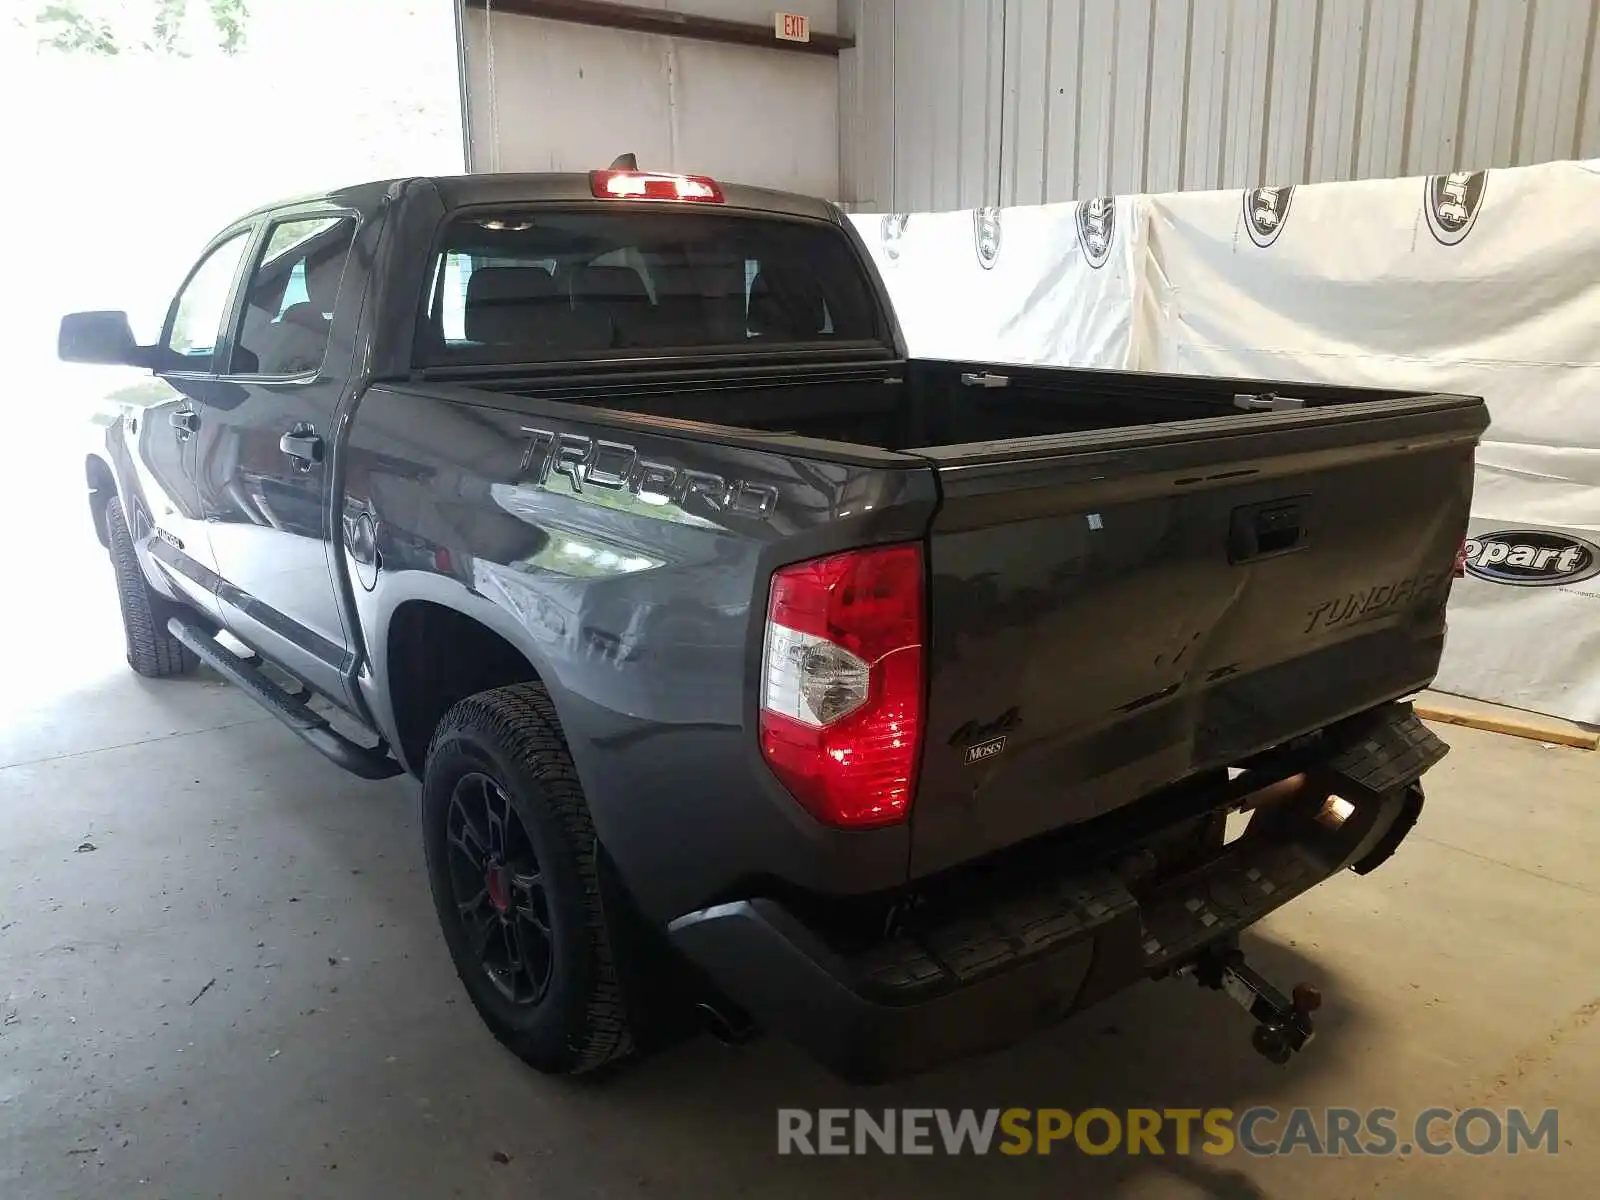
749,665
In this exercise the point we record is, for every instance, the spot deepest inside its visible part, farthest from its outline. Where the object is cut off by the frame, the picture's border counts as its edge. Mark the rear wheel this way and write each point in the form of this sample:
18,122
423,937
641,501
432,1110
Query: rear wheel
152,651
512,865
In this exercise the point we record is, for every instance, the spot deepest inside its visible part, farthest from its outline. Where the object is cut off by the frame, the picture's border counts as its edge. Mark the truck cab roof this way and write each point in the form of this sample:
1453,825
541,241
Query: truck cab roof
468,191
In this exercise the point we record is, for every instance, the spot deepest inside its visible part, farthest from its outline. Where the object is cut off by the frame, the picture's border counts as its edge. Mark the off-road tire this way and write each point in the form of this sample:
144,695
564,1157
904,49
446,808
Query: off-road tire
152,651
512,735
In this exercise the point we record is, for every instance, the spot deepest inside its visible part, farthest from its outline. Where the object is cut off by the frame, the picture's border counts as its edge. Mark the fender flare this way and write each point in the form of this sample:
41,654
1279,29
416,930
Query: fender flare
392,594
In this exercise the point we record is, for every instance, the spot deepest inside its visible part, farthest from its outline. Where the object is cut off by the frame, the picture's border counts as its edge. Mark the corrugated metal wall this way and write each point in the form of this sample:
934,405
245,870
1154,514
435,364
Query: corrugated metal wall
954,103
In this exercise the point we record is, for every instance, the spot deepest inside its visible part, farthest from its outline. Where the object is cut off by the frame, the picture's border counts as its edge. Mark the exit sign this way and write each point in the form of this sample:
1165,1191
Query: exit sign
791,27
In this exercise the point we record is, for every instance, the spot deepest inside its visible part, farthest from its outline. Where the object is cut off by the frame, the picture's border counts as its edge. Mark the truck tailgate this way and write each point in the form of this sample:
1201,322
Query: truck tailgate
1113,611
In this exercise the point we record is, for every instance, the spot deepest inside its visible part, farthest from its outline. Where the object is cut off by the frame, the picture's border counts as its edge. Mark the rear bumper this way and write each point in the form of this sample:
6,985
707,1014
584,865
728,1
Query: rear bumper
1013,956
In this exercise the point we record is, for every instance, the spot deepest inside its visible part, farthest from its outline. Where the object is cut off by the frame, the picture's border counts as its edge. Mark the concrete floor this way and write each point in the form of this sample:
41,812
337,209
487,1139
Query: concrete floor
239,991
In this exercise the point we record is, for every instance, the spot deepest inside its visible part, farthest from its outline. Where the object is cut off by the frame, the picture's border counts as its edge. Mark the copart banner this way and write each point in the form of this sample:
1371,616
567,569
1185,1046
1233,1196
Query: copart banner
1483,282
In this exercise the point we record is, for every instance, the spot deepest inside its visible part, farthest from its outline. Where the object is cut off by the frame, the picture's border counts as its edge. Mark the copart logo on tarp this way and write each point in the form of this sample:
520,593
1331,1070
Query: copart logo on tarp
1532,558
986,235
1452,203
1097,228
1266,211
890,231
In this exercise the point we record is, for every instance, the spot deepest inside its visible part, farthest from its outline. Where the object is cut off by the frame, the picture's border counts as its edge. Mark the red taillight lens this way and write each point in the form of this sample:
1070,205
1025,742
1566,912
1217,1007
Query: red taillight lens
651,185
842,682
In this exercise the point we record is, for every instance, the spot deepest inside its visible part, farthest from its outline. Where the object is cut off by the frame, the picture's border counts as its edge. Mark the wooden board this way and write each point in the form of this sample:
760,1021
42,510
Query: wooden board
1512,721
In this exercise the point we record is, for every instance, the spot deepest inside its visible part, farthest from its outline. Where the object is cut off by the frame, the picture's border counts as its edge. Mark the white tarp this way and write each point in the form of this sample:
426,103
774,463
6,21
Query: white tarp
1485,283
1013,285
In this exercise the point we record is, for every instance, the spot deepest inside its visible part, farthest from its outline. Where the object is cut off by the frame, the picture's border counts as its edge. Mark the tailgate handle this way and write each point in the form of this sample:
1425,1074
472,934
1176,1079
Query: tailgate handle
1260,531
984,379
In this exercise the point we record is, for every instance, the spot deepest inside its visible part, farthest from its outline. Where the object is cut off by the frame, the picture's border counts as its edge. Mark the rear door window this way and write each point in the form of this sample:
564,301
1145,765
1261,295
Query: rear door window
288,306
554,285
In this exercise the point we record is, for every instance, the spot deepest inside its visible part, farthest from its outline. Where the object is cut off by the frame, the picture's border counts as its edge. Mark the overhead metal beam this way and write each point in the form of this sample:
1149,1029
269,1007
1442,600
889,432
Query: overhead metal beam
664,21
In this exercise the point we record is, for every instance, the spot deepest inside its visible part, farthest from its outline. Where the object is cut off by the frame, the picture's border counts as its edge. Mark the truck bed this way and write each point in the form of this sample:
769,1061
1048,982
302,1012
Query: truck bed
1133,578
926,403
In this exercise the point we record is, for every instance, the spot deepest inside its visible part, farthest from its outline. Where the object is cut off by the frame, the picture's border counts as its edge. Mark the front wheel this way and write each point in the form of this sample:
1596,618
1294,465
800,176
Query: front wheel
512,865
152,651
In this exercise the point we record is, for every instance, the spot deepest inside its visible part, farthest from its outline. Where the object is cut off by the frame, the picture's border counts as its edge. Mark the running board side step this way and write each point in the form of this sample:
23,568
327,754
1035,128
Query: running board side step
366,762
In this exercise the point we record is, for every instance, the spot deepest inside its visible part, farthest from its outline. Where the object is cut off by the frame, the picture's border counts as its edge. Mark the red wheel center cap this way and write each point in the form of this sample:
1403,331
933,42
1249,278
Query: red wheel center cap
499,893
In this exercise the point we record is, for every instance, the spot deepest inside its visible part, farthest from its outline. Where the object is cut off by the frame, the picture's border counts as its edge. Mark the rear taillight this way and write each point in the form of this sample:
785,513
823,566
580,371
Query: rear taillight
654,185
842,682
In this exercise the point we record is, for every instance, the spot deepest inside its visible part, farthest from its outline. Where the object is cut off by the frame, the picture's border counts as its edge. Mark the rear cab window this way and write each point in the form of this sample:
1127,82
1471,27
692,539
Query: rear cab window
560,285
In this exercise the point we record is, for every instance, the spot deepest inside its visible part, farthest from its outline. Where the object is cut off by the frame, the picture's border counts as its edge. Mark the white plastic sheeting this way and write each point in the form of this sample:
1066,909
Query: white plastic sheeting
1015,284
1485,283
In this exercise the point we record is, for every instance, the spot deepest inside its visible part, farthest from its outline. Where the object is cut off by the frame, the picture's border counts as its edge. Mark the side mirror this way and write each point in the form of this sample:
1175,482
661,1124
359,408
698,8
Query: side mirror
99,337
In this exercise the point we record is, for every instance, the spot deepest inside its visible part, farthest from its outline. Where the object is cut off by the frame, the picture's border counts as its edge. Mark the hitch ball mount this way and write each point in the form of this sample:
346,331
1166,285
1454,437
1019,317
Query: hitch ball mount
1283,1023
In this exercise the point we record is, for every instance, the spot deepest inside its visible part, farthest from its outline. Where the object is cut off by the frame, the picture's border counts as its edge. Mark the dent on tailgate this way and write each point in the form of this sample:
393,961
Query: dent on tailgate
1101,632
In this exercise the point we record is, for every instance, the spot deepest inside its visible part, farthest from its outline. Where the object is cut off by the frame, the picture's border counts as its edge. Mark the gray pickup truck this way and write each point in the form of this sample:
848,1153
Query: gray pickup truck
748,664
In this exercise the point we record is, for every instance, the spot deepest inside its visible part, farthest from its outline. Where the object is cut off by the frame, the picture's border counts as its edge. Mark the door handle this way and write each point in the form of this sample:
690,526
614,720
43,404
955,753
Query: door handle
185,421
303,444
984,379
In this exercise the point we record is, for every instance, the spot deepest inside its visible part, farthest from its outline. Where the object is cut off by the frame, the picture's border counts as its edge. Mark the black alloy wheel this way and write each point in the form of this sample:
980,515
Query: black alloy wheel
514,868
499,890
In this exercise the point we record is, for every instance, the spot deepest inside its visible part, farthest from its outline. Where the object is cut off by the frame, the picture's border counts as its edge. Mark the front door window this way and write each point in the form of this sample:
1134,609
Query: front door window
195,323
